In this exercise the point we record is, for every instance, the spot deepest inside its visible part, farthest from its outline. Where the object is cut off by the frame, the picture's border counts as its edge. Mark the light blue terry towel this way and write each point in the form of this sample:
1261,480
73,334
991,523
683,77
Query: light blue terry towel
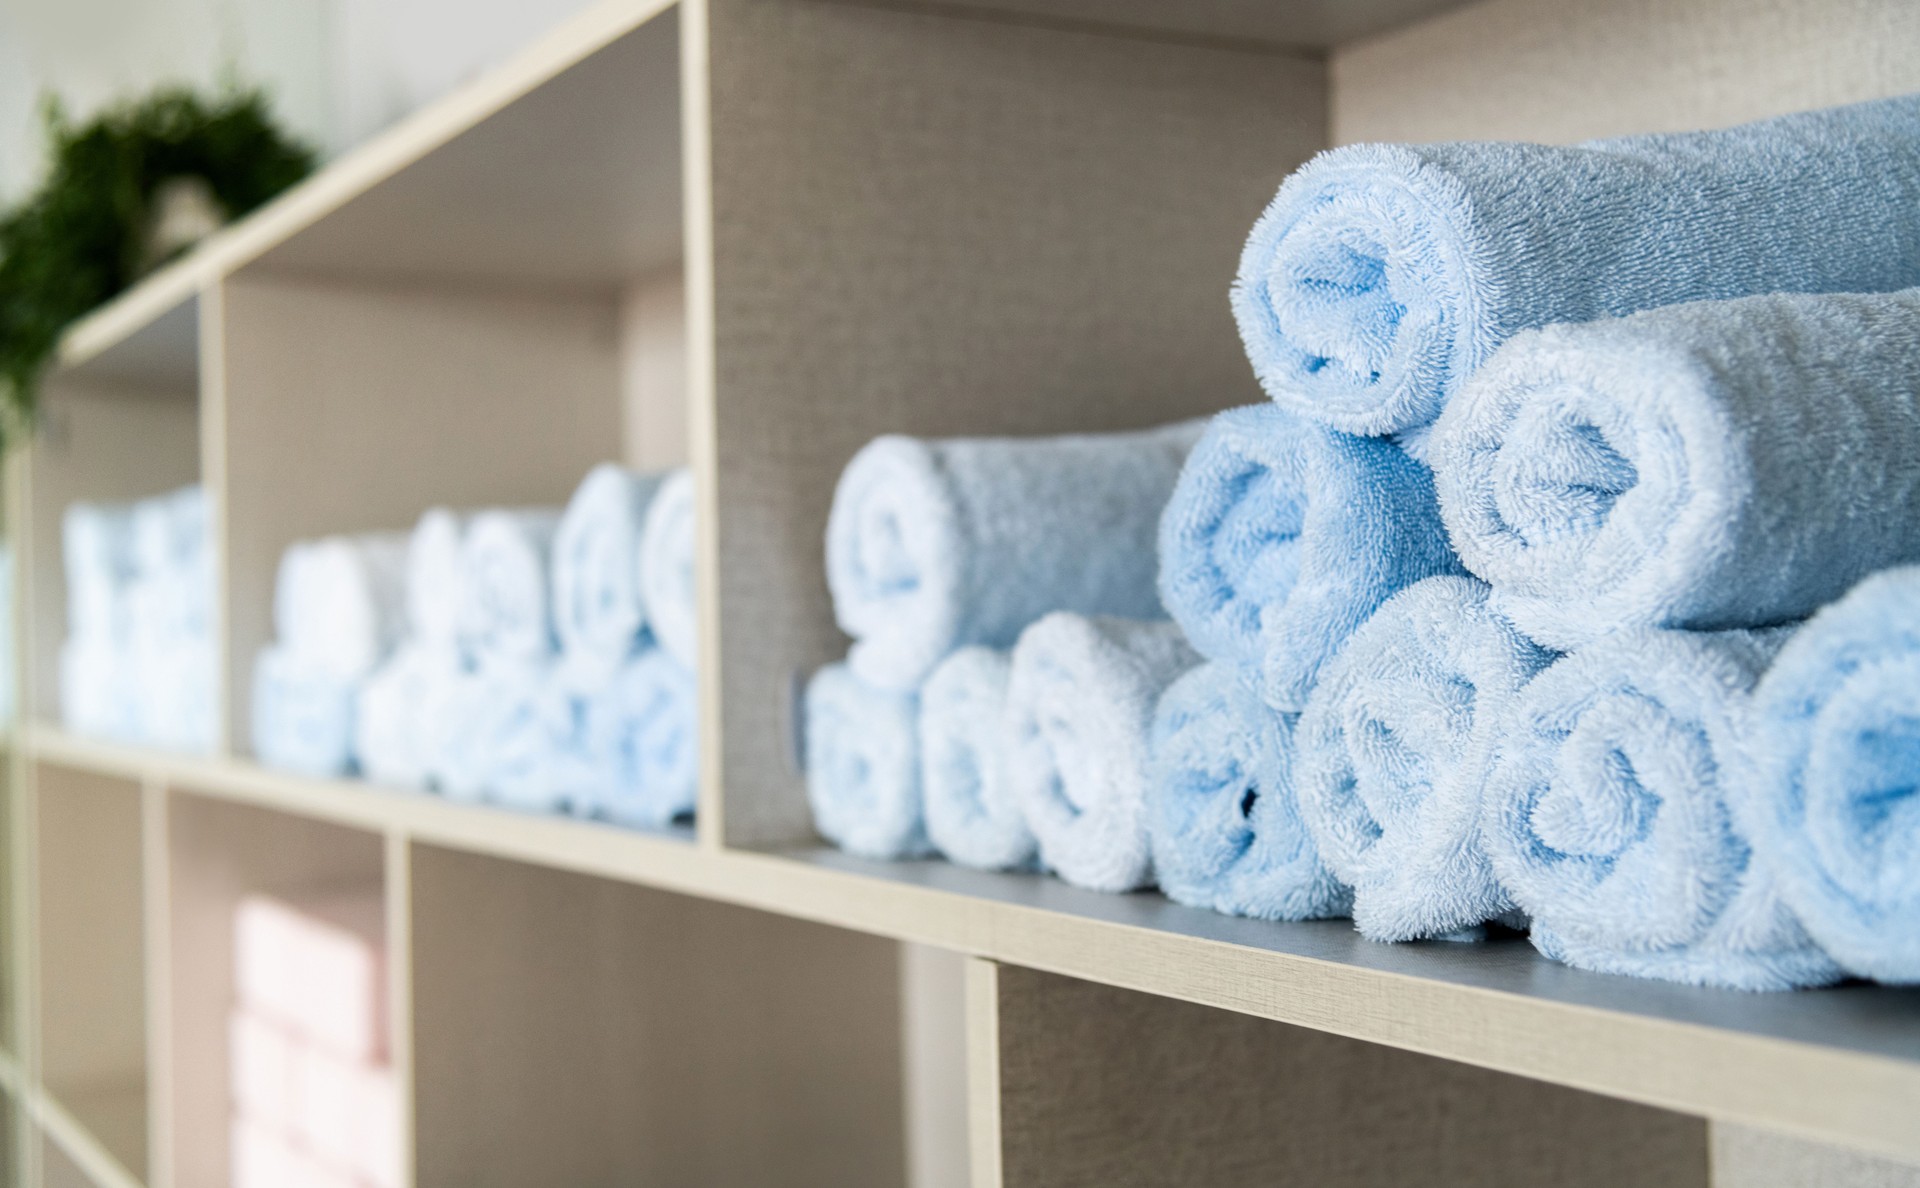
665,570
972,817
1705,466
1383,275
1282,537
1834,733
932,545
436,579
1608,815
303,714
597,611
1080,701
863,766
506,585
390,731
1222,810
642,743
495,732
1393,753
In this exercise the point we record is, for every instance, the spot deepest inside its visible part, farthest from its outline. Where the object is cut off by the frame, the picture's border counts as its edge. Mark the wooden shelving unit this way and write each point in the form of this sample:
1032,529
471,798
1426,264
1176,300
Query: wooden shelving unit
749,235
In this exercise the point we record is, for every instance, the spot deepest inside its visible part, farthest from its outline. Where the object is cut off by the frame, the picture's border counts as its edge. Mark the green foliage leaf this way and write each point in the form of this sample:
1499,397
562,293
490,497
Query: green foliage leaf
83,237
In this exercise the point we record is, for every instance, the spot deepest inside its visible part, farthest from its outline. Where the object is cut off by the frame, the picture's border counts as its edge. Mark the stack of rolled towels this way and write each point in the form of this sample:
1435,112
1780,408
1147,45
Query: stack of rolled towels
137,664
1567,584
537,658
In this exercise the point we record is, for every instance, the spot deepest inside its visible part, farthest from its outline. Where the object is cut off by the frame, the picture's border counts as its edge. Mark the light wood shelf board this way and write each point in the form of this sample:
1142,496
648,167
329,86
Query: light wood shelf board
1296,25
1839,1065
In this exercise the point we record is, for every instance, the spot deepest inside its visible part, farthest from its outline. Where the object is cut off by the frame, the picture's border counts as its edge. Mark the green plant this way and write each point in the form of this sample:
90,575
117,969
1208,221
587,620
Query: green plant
89,231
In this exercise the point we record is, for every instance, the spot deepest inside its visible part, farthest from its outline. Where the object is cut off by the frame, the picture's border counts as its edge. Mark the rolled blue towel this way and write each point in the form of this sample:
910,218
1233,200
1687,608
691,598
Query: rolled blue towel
1080,701
1705,466
1608,816
340,602
1221,809
390,728
932,545
665,570
1281,538
1834,731
303,715
497,733
597,611
1393,752
1384,275
506,584
972,817
863,766
642,743
436,579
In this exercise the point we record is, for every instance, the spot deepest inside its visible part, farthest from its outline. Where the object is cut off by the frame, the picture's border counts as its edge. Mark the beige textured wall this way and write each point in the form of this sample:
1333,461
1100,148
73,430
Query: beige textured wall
1747,1158
1560,70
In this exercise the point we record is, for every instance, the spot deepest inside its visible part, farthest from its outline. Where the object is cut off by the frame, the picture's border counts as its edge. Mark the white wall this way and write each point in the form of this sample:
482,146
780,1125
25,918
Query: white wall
338,70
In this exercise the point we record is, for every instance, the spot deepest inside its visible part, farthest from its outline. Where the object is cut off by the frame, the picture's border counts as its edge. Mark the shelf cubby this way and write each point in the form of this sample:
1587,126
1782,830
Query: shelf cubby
217,853
92,1027
1101,1086
570,1029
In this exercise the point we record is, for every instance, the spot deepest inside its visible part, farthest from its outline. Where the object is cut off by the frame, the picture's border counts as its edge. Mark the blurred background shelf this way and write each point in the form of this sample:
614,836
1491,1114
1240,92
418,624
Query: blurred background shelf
749,235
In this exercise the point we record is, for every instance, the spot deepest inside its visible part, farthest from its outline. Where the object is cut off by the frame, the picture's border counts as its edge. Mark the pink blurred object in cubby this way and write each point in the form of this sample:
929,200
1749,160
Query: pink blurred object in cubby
317,966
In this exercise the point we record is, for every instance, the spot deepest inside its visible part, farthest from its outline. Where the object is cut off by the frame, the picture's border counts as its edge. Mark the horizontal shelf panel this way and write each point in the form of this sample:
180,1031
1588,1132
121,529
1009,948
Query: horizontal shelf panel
1302,24
1840,1065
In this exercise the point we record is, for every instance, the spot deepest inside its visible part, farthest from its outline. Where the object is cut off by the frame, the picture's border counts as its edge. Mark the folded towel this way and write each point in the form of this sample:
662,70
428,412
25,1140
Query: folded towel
1834,732
506,589
932,545
99,694
1080,702
972,817
1383,275
1607,815
597,611
436,578
339,603
303,714
391,717
96,542
1720,464
641,743
863,766
174,691
1393,751
666,577
1222,810
1281,538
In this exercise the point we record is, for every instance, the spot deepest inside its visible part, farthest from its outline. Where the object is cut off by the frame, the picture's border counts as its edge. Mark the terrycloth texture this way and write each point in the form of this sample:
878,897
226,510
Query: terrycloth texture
642,743
491,734
97,550
1607,816
665,569
339,603
171,594
98,691
303,715
391,717
972,817
1281,538
597,609
175,677
506,587
1383,275
1222,811
932,545
1834,734
863,766
436,578
1080,702
1721,464
1393,753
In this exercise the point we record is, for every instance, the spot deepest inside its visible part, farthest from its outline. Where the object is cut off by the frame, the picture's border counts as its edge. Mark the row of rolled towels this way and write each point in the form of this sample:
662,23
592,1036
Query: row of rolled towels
540,658
137,663
1560,585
